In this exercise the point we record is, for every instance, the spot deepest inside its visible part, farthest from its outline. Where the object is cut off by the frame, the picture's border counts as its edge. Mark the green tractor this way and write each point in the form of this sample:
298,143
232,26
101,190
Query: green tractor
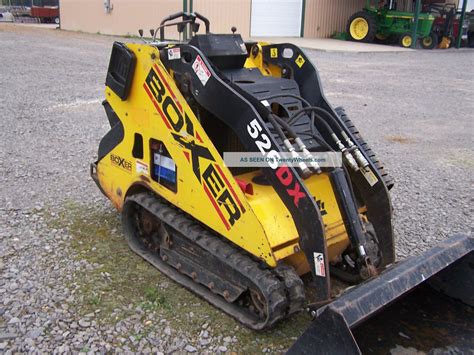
382,21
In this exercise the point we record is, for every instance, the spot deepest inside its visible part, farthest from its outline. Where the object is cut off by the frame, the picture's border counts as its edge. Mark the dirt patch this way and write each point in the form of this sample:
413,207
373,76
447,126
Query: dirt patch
400,139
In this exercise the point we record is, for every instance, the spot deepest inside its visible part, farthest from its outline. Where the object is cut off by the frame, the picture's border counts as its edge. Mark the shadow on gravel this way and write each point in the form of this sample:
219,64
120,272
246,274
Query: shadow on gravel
117,285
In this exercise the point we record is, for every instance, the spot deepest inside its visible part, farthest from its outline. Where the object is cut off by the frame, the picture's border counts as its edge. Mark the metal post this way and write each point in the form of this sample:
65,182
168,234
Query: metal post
303,14
185,32
415,24
461,20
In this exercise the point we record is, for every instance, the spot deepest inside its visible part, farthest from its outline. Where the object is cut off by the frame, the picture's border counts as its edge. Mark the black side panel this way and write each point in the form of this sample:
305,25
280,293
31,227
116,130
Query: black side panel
111,115
114,136
225,51
121,68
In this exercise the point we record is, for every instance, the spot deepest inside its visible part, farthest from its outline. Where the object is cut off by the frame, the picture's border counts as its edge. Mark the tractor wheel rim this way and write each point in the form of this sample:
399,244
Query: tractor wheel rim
359,28
406,41
427,41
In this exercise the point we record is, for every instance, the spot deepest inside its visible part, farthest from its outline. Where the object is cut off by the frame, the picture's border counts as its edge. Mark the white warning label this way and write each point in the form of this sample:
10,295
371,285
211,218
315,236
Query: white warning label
319,264
141,167
174,53
201,70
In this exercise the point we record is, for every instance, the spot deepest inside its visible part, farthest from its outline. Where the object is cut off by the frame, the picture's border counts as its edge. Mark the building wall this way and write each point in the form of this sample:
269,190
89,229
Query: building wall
324,17
128,16
224,14
125,18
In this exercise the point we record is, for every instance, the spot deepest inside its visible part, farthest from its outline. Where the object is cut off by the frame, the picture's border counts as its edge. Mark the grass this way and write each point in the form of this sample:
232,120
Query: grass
122,281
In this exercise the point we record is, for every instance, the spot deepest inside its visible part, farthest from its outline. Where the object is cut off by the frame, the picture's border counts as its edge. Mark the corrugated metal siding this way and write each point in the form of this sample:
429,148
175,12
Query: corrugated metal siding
224,14
324,17
125,18
128,16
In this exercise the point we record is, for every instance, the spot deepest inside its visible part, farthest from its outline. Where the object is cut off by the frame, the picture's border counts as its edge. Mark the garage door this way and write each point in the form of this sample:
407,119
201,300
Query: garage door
276,18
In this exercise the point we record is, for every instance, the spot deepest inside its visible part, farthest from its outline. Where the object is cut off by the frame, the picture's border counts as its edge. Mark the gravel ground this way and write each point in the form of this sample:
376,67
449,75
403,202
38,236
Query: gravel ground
414,108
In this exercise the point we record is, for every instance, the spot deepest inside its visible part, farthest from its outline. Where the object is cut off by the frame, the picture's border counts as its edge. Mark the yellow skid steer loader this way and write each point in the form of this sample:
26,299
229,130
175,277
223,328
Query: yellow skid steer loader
241,237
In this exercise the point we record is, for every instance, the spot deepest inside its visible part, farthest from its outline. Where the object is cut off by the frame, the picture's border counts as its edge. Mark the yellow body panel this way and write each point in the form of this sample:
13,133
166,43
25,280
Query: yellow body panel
263,227
139,115
278,223
258,62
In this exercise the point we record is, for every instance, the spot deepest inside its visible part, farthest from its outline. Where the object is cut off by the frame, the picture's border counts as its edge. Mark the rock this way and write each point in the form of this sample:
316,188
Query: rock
7,336
84,323
14,320
190,349
222,349
35,333
204,342
404,335
227,339
167,331
66,333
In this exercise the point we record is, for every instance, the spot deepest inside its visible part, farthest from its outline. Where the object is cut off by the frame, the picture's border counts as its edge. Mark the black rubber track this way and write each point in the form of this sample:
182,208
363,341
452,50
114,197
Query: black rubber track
281,287
389,182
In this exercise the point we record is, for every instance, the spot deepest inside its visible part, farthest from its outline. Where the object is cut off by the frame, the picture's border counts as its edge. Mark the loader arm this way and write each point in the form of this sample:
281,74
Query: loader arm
376,197
247,123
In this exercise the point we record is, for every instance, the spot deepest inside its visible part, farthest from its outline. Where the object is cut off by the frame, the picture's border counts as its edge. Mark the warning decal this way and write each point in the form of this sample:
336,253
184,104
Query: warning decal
201,70
141,167
299,61
174,53
319,264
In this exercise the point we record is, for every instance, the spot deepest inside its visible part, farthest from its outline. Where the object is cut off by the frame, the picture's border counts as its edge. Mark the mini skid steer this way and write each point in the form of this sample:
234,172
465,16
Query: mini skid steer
242,237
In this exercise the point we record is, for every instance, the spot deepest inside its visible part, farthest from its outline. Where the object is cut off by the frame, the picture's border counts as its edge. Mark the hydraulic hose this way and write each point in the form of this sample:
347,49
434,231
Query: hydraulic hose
320,140
322,113
286,126
345,152
275,125
274,121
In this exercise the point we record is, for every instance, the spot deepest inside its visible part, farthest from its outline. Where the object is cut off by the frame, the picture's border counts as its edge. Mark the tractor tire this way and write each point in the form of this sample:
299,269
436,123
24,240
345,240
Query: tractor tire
381,39
405,40
470,39
389,182
430,41
362,27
